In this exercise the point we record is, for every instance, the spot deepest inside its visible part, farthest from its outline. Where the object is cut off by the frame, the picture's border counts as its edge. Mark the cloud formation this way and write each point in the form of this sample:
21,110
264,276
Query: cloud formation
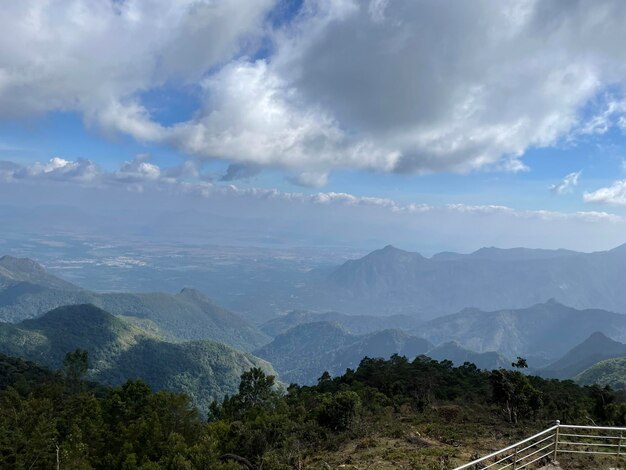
345,84
140,174
94,57
567,184
613,195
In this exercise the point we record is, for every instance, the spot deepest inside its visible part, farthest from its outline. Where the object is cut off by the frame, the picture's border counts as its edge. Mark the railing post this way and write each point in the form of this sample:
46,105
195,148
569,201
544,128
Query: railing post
515,459
619,443
556,439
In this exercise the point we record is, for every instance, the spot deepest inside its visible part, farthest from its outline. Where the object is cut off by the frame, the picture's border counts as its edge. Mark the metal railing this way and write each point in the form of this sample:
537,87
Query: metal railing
545,447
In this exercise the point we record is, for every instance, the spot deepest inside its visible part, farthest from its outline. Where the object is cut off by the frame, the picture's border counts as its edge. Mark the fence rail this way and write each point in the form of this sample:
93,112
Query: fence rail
545,446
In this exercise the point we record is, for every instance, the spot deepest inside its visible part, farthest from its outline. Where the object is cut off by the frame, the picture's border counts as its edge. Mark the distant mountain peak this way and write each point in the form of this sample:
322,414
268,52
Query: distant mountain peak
193,294
598,335
617,250
555,303
21,265
390,252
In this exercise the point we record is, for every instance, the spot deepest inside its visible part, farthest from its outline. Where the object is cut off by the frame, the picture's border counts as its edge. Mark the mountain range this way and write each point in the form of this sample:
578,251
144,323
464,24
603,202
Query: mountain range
119,351
355,324
27,291
558,340
303,353
542,333
393,281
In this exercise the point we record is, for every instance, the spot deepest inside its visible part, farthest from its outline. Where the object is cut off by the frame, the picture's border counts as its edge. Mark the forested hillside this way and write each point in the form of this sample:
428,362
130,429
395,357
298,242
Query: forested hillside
419,414
119,351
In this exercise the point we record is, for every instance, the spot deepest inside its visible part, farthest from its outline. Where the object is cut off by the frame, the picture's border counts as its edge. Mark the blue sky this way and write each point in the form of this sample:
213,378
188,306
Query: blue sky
511,108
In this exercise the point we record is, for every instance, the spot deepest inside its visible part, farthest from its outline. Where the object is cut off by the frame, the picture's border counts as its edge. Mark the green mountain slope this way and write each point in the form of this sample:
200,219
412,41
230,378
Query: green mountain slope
119,351
27,291
598,347
187,315
610,372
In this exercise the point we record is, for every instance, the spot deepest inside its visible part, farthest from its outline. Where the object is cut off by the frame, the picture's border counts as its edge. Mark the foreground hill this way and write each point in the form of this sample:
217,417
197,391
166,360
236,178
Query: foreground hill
303,353
27,291
355,324
120,351
542,333
392,281
598,347
611,372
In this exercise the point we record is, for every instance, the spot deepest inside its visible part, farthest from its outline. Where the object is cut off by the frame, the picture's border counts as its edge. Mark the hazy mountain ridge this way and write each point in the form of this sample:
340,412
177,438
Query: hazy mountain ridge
393,281
304,352
355,324
119,351
458,355
24,270
27,291
542,333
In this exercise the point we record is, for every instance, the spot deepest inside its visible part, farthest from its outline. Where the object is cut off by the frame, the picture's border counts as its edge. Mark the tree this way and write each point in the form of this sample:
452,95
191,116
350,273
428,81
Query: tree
338,411
514,392
75,366
521,363
255,388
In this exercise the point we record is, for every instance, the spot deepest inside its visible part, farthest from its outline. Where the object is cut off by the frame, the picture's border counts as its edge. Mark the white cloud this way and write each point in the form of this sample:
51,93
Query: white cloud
81,171
348,84
612,195
396,97
90,56
567,184
139,174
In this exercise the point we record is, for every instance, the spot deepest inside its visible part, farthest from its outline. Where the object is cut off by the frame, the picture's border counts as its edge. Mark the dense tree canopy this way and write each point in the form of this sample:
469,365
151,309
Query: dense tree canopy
47,421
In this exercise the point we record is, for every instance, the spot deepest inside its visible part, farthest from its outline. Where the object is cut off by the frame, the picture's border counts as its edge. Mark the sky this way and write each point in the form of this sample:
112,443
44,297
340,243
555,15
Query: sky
433,125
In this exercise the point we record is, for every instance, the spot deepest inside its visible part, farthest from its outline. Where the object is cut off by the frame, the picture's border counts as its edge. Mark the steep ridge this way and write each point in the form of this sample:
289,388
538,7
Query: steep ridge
598,347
